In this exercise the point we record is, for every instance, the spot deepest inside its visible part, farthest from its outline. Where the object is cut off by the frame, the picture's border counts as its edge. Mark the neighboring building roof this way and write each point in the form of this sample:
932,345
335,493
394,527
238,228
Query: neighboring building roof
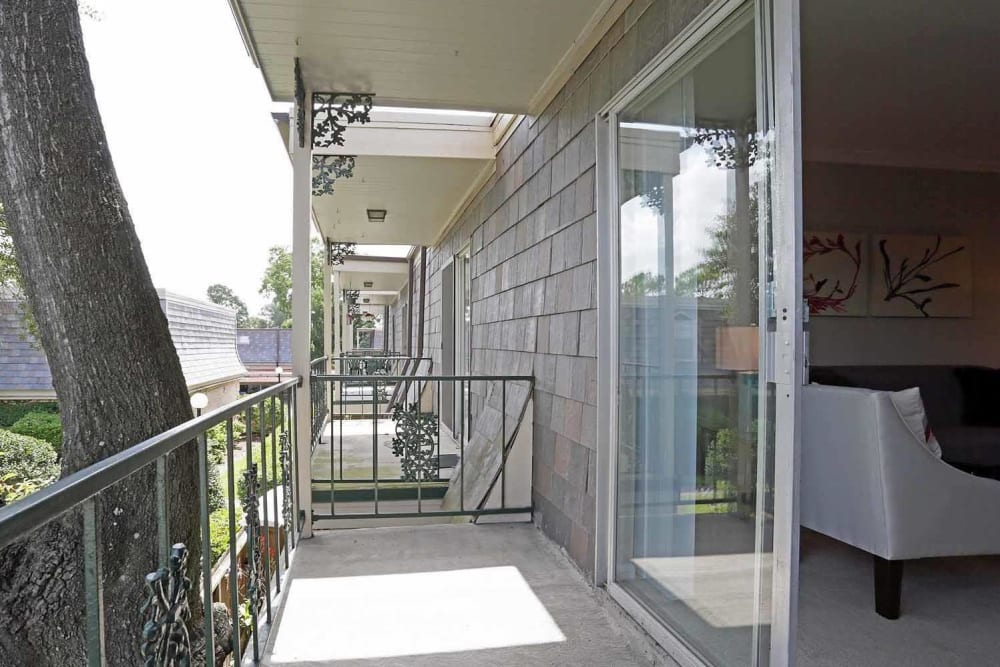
205,337
23,367
203,333
271,347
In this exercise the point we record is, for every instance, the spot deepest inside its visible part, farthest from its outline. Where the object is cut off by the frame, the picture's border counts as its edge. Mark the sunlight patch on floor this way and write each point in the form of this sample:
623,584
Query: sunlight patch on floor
384,616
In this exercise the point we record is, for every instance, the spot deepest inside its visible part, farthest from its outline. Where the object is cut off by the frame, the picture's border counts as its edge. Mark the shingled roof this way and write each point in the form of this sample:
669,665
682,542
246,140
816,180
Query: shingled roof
264,347
203,333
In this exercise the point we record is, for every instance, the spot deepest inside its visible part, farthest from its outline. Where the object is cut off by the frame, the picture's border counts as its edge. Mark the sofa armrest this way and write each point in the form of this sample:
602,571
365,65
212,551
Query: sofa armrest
840,484
931,508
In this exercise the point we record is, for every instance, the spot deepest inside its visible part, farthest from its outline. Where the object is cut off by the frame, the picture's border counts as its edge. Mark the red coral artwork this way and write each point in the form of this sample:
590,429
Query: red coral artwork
835,281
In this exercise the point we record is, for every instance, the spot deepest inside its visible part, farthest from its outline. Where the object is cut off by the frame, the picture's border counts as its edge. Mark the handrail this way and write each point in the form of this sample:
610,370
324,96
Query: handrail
47,504
444,378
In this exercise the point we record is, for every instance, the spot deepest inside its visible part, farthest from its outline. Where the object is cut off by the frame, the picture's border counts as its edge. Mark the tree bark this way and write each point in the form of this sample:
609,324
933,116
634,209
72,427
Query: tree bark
114,366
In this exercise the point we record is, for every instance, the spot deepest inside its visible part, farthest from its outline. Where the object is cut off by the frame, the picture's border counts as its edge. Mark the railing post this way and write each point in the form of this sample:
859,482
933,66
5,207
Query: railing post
93,583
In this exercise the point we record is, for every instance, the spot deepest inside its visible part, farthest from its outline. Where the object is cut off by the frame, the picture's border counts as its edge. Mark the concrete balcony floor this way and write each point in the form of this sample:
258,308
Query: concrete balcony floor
457,594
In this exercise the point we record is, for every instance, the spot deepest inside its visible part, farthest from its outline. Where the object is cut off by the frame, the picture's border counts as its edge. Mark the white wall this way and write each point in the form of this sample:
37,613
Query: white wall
887,199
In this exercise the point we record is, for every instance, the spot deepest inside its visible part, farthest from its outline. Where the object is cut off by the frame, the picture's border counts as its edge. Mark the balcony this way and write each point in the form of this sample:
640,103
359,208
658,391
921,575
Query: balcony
392,449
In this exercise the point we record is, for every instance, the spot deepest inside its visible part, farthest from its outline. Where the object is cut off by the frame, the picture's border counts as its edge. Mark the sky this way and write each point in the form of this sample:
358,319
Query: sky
207,179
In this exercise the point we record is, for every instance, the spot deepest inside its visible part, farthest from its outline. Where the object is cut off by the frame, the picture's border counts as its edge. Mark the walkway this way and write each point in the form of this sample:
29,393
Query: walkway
460,594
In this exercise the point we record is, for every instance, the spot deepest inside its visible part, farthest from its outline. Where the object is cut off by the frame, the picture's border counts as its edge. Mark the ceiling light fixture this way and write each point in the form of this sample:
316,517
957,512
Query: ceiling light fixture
376,215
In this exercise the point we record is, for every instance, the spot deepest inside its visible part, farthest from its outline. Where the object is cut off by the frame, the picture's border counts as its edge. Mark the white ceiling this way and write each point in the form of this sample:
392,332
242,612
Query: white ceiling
492,55
419,193
901,83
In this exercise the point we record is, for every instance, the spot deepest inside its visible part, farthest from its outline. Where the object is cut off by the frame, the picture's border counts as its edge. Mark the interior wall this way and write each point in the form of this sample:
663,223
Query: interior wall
890,199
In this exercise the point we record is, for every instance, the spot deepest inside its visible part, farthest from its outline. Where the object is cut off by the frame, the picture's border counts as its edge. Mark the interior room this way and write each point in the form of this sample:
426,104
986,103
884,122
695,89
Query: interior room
901,211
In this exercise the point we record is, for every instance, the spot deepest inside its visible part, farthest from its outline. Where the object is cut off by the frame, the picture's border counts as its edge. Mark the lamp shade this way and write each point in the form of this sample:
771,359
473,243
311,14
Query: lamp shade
737,348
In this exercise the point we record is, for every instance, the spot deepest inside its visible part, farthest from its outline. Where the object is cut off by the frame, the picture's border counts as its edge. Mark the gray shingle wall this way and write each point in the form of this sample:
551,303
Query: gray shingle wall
534,246
23,366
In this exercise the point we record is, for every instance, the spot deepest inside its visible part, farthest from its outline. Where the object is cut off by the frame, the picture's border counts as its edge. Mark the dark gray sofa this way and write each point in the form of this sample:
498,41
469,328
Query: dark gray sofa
958,401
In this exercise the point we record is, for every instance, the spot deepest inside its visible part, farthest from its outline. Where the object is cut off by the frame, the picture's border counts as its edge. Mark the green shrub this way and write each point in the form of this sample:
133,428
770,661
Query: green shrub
218,529
26,465
11,411
216,496
42,425
272,479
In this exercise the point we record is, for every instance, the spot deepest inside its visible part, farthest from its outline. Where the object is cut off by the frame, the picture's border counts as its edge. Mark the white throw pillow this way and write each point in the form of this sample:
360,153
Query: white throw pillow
910,407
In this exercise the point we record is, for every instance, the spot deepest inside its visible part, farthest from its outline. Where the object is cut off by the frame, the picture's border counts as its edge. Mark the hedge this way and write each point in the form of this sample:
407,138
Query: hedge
42,425
11,411
26,465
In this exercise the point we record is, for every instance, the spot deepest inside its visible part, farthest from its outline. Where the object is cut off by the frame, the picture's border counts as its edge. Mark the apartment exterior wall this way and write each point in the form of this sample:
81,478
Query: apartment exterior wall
533,231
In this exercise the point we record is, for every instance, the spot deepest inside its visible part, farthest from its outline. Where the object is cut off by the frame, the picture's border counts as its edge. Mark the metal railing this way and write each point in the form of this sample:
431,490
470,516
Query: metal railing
259,545
378,364
416,458
318,400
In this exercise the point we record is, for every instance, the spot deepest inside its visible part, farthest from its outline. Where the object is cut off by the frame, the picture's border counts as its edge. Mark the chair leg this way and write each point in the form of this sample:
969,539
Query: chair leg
888,587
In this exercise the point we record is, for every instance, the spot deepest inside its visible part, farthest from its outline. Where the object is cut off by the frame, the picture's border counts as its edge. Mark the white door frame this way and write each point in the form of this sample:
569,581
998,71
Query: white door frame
778,57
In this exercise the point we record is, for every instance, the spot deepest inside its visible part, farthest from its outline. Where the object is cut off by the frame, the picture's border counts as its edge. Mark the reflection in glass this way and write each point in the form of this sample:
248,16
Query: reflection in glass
689,532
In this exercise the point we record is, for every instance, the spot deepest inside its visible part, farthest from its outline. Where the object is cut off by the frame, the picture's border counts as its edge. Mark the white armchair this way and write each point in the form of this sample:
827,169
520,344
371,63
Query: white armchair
868,481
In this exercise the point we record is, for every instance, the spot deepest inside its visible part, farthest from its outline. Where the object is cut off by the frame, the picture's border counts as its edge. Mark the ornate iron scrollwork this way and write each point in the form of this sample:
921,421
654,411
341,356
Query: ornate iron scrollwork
730,147
255,567
416,443
333,112
327,169
300,105
165,638
337,252
285,450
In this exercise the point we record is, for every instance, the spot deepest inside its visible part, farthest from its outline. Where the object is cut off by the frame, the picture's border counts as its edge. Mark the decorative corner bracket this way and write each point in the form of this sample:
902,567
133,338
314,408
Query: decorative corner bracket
327,169
333,112
337,252
300,105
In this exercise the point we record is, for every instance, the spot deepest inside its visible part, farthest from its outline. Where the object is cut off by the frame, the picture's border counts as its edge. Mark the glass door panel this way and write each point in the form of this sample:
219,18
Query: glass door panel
691,516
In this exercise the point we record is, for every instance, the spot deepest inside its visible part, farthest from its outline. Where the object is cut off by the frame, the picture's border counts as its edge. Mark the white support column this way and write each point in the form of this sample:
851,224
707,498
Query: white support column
301,327
338,329
327,310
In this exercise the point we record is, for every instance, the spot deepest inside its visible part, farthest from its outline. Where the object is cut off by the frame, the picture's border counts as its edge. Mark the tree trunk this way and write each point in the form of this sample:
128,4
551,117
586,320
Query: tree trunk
114,366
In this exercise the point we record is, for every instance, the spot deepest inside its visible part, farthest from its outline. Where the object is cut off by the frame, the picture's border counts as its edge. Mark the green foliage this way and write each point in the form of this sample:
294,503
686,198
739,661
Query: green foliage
217,438
721,454
645,284
258,452
224,296
277,286
11,411
216,496
42,425
218,530
26,465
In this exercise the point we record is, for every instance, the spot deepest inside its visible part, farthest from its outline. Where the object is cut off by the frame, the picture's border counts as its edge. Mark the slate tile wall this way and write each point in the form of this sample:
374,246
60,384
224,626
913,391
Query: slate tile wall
533,229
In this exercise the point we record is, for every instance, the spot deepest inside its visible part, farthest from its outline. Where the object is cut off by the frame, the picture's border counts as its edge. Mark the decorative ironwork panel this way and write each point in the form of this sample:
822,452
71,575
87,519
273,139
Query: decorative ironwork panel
165,638
327,169
416,443
300,105
255,588
337,252
286,480
333,112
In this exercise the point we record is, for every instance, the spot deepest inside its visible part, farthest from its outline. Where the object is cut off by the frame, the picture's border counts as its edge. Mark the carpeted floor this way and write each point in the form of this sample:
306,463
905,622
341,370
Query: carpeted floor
950,611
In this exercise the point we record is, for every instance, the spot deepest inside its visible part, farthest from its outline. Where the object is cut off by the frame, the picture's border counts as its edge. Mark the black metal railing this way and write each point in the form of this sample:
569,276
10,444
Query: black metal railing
441,450
318,399
253,440
352,363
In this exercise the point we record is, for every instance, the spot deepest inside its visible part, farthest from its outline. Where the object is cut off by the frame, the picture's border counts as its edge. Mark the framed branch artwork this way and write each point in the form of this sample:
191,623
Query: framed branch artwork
835,273
921,276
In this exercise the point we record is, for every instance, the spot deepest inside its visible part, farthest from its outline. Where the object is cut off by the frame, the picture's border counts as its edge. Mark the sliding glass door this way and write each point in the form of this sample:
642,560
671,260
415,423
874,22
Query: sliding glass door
690,514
